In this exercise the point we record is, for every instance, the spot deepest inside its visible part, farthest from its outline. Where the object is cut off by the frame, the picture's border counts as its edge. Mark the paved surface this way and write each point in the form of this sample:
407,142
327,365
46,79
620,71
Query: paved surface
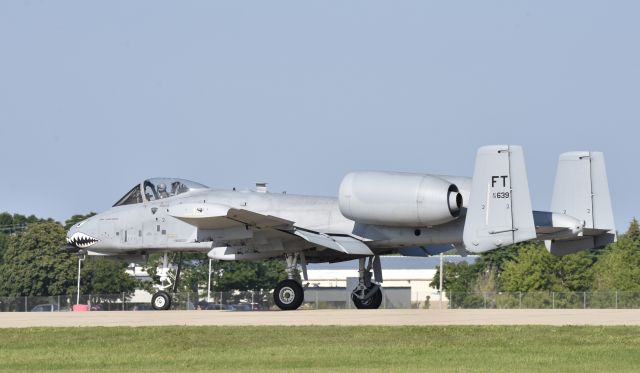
322,317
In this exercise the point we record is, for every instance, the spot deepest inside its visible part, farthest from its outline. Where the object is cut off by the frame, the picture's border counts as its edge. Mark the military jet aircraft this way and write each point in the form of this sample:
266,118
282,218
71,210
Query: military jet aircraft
375,213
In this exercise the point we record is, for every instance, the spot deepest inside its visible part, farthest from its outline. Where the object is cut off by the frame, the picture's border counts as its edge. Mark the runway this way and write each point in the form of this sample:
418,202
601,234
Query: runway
321,317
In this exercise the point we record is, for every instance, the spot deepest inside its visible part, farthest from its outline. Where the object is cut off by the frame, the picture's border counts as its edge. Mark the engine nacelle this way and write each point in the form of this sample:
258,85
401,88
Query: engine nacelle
398,199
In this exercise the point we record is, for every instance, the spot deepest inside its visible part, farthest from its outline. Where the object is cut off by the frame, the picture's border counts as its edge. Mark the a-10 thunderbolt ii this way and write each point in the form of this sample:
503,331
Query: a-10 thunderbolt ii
375,213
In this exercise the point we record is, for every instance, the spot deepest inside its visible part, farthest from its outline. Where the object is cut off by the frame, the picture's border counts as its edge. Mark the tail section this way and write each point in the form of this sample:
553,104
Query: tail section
499,211
581,191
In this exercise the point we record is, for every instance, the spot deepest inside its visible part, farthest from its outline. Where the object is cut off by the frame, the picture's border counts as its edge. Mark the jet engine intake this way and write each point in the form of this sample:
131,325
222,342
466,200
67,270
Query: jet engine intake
398,199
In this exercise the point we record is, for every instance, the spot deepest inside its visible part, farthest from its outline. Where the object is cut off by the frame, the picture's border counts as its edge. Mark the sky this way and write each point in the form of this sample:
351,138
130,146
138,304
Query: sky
97,96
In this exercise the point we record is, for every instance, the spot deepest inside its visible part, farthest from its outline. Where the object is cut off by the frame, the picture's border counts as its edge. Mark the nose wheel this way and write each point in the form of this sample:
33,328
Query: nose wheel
161,301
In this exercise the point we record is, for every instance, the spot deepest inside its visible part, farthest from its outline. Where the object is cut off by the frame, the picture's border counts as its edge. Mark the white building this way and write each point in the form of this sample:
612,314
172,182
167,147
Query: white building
397,271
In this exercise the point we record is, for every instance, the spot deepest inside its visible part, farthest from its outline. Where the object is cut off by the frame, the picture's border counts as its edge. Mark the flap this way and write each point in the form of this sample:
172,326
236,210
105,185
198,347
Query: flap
343,244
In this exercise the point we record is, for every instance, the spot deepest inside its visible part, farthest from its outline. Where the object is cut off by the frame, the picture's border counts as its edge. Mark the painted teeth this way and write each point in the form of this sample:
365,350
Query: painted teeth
81,240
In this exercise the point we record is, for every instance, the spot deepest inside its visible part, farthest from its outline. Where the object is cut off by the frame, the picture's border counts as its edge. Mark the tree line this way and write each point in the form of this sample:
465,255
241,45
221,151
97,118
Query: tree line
529,267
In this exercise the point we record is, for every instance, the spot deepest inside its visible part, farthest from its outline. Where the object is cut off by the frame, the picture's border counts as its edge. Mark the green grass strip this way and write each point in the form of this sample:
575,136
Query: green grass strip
322,348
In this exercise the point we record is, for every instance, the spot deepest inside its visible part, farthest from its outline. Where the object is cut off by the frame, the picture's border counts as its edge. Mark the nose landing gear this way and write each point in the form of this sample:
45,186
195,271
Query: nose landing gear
161,300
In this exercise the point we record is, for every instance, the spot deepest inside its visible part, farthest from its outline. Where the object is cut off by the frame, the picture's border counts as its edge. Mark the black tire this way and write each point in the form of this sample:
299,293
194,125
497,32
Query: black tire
288,295
371,303
161,301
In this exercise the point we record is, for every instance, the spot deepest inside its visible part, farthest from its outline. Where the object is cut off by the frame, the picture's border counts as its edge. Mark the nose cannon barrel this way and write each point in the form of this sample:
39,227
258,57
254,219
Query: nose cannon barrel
69,248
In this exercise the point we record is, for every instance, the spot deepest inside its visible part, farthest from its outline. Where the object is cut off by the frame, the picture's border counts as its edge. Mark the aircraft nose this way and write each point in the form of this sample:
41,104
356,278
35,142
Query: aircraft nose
80,238
69,247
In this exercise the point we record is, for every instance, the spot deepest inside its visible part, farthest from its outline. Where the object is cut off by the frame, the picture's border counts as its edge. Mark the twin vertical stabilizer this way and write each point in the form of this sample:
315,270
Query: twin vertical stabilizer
499,211
581,190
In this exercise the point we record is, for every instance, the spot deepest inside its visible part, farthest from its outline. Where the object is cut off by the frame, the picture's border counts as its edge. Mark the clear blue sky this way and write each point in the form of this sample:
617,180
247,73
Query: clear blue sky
95,96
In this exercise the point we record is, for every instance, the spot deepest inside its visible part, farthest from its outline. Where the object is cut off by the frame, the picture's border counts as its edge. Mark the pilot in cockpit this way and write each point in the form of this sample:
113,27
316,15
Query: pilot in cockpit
177,188
162,191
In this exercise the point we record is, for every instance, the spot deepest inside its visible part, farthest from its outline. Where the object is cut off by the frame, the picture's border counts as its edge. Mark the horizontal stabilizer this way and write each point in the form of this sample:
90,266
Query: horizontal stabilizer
554,226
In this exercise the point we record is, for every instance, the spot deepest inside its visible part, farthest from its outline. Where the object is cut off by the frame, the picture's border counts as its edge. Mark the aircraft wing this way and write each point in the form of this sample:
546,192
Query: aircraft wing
258,220
213,217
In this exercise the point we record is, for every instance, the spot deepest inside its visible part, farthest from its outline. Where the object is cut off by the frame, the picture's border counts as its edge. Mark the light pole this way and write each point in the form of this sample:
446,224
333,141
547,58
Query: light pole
441,277
81,257
209,284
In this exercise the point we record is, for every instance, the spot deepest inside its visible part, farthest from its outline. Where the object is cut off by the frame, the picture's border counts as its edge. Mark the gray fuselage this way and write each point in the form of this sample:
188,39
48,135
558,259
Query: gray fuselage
148,226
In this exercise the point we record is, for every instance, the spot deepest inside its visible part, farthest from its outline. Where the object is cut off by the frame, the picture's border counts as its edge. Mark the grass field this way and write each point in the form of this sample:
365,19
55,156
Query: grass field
195,349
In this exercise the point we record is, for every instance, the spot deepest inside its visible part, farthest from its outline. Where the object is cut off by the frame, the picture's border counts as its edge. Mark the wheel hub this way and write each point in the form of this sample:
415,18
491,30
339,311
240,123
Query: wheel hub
286,295
364,293
159,302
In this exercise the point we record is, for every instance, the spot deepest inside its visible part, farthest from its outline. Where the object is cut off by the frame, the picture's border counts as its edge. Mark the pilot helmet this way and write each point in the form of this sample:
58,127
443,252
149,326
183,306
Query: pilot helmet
162,188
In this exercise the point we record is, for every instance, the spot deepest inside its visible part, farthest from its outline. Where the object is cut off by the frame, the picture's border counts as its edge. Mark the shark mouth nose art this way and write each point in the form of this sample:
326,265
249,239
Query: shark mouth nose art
81,240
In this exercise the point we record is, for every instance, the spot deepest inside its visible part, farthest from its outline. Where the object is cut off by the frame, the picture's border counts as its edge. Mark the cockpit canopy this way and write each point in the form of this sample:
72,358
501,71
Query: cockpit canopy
158,188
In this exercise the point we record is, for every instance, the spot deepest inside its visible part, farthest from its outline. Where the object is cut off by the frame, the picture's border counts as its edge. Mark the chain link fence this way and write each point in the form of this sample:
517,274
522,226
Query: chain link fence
333,298
546,300
233,301
323,299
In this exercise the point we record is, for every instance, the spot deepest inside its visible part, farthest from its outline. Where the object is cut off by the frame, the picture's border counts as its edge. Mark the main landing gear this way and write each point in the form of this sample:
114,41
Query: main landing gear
289,294
161,300
367,295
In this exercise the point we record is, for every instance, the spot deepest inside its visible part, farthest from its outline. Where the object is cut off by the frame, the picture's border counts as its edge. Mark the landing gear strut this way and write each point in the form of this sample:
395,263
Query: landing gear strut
367,295
289,294
161,300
